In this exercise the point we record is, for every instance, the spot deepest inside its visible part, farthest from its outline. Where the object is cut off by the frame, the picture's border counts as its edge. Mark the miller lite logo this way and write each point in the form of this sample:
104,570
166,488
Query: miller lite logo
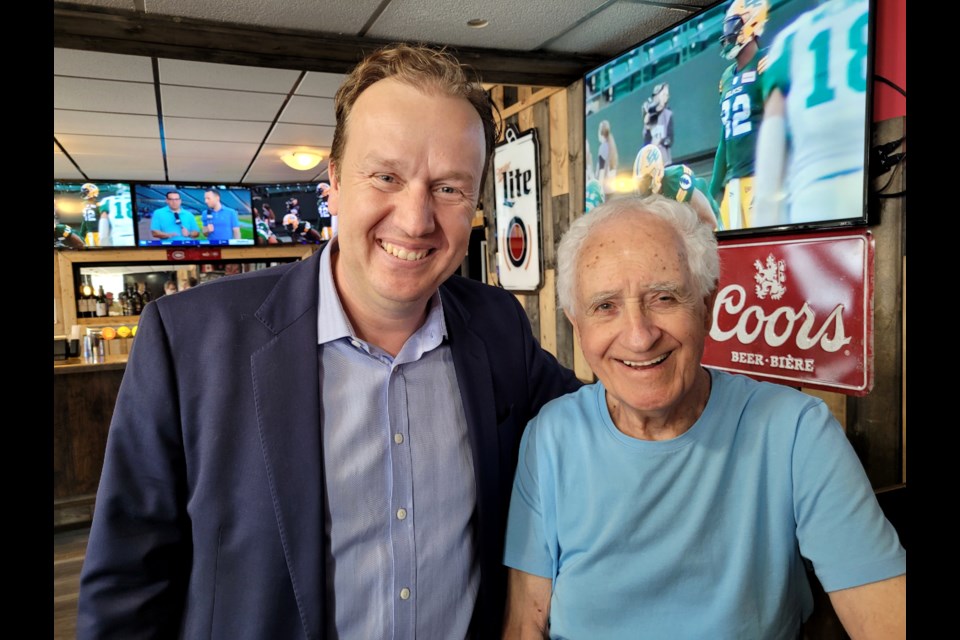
517,199
796,310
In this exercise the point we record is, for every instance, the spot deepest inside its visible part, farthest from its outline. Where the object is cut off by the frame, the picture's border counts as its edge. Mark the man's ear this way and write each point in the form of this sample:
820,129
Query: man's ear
573,321
709,300
333,198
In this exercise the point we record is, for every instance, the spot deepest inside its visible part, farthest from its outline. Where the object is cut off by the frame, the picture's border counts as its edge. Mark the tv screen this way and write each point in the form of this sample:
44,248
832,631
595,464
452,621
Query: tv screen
755,112
92,215
178,214
292,213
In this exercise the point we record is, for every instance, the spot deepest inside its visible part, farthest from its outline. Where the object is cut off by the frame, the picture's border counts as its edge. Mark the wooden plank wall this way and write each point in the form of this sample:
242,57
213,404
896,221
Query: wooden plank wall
557,116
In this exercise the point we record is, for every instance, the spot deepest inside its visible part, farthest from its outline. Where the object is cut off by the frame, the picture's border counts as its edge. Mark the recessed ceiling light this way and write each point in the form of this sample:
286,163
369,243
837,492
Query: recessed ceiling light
477,23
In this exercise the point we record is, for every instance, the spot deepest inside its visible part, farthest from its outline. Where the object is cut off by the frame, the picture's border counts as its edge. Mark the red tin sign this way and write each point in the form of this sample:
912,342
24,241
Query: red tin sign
797,310
193,253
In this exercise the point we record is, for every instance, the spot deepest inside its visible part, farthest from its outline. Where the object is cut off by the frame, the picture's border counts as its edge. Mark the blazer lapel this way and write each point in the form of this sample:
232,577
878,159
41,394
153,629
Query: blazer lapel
287,397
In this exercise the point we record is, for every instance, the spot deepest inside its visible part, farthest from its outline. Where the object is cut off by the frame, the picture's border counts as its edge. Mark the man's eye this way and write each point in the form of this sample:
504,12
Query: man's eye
446,190
383,177
604,306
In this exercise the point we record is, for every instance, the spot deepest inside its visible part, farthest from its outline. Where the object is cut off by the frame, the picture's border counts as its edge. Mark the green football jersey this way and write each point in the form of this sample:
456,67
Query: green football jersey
741,112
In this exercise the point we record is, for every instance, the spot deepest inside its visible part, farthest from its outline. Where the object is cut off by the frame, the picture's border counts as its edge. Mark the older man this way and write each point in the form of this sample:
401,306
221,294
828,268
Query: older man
670,501
325,449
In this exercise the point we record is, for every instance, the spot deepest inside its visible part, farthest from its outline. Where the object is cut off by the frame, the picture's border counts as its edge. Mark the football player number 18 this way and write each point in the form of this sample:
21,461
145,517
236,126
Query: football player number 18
856,69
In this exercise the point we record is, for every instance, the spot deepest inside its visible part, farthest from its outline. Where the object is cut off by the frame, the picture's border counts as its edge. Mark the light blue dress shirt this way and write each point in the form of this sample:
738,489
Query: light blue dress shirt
398,473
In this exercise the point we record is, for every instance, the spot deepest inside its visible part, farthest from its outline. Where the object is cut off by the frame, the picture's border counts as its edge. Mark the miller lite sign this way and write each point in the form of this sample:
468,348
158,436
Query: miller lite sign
517,191
797,310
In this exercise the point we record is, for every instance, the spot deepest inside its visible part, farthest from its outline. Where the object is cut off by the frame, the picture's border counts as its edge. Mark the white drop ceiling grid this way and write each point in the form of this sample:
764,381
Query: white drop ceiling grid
229,123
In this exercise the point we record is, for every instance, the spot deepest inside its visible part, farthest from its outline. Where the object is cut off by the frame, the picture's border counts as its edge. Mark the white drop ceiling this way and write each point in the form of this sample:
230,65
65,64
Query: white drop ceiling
138,118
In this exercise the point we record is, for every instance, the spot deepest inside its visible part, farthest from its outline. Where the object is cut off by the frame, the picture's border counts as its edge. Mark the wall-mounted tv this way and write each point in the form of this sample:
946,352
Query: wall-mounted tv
181,214
92,215
292,213
757,112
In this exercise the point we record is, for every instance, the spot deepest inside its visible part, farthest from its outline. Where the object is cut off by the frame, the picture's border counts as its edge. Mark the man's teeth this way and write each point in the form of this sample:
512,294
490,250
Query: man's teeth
403,254
631,363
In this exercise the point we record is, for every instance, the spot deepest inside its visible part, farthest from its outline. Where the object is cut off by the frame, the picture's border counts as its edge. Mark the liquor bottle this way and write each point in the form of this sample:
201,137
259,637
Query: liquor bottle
86,305
136,304
125,303
101,304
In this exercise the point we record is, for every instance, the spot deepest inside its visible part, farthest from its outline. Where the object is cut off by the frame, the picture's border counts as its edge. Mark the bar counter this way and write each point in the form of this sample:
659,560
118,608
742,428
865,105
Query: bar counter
84,395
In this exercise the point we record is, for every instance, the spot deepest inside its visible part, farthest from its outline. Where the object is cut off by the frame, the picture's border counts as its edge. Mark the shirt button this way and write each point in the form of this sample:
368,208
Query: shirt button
401,514
355,343
398,438
404,594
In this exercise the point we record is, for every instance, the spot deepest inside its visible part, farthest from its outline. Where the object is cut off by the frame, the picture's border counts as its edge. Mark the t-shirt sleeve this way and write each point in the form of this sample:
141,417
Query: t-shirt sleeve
526,546
840,525
234,219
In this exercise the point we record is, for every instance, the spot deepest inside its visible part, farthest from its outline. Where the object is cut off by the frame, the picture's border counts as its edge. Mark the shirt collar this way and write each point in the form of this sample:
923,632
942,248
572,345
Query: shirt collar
333,324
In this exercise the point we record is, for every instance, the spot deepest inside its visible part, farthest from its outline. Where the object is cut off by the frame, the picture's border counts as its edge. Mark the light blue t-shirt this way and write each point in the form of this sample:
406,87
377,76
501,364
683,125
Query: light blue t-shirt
700,536
165,221
223,222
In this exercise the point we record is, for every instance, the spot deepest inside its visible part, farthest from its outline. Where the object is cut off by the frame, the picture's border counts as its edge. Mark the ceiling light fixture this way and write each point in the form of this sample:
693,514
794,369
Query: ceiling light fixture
301,160
477,23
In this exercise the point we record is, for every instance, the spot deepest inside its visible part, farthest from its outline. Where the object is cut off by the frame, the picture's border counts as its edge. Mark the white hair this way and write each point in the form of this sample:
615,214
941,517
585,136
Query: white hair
699,241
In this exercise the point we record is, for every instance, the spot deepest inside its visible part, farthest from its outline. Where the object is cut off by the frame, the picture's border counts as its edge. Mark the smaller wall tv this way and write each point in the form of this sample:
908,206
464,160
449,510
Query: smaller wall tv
292,213
191,215
92,215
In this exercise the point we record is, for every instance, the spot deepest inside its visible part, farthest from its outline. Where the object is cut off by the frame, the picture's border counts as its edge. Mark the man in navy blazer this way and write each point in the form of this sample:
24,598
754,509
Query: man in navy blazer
213,516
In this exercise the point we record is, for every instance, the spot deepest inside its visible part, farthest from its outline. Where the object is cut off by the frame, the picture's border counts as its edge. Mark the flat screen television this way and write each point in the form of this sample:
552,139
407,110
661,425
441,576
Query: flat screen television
762,107
292,213
92,215
192,214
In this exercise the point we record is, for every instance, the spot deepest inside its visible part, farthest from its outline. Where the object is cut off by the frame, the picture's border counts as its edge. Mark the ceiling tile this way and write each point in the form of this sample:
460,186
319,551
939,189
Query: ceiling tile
326,17
513,25
304,110
226,76
63,169
302,134
320,85
196,170
104,95
223,130
616,28
210,103
105,124
113,4
106,66
114,158
212,150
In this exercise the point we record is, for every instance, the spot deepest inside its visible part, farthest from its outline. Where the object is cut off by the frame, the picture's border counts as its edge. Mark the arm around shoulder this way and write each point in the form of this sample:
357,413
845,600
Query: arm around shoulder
874,611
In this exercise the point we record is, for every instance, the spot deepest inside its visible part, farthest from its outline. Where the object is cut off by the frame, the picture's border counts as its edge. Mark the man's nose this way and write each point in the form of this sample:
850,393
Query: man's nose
641,332
415,211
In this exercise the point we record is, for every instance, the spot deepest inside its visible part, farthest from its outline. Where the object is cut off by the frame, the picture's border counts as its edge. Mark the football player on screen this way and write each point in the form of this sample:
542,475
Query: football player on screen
64,237
115,225
816,89
741,110
327,221
90,226
677,182
298,228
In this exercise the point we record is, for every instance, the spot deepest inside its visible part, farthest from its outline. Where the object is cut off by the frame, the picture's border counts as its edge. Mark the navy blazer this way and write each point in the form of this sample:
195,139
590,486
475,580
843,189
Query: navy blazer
209,520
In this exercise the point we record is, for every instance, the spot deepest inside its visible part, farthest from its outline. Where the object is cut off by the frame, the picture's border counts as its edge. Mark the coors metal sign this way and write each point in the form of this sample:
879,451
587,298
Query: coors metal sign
796,310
